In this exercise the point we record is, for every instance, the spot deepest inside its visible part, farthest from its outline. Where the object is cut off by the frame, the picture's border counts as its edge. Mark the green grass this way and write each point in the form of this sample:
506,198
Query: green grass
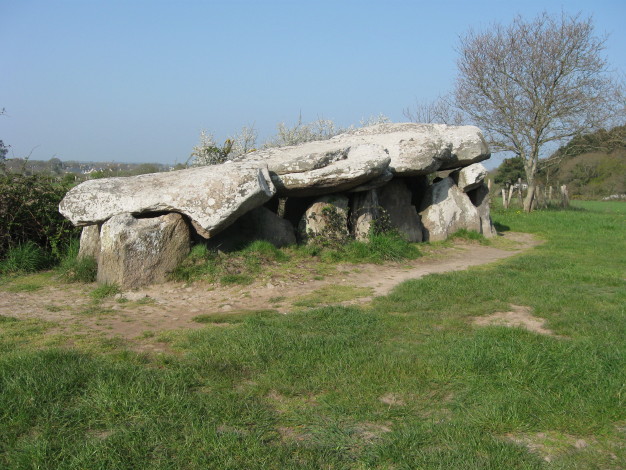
26,282
233,317
25,258
407,383
239,267
24,287
469,235
262,259
332,294
75,269
104,291
379,248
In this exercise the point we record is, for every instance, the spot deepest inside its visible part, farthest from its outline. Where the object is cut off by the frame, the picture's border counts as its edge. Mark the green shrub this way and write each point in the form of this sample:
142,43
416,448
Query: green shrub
25,258
29,213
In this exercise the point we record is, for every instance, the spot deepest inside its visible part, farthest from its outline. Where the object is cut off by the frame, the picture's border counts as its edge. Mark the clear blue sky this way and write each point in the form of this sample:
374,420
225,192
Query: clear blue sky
136,81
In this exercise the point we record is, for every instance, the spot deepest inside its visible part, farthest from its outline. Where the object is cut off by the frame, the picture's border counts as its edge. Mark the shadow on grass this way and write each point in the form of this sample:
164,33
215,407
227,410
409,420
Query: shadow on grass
501,227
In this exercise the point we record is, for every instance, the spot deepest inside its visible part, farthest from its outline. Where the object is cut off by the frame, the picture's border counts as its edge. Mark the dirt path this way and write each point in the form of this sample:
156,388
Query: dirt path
171,306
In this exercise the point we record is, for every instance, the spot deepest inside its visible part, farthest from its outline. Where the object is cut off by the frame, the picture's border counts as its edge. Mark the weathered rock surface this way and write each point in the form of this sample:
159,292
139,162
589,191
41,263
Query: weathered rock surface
446,209
136,252
212,197
322,167
350,160
90,242
420,149
327,217
374,183
258,224
480,199
470,177
364,211
395,199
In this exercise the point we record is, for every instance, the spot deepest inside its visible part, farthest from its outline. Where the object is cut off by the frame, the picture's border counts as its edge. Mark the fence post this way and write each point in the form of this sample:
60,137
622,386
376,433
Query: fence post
550,194
564,196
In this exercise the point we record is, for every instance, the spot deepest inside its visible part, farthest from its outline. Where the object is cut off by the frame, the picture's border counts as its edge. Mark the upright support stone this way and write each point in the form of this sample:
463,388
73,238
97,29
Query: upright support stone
481,200
446,209
325,221
364,211
395,200
470,177
90,242
137,252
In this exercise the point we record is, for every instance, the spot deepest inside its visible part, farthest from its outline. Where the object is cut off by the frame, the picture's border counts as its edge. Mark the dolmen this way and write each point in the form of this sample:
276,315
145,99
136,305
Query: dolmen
425,179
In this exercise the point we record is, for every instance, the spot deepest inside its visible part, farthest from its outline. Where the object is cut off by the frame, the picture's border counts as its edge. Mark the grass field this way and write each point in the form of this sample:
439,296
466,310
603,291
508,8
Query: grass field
410,382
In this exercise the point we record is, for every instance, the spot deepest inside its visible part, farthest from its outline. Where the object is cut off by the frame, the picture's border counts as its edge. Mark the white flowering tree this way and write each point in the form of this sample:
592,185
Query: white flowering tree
209,152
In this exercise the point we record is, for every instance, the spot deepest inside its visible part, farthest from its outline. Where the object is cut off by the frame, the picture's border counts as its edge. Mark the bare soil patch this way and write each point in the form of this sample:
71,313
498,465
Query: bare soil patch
518,316
552,445
140,315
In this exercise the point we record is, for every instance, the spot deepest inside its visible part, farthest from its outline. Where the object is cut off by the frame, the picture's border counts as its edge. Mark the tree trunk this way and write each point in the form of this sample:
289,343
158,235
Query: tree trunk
530,197
539,198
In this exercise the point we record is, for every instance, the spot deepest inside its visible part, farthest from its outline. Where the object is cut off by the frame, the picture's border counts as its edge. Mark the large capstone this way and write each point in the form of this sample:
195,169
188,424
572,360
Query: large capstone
446,209
364,158
212,197
420,149
137,252
322,167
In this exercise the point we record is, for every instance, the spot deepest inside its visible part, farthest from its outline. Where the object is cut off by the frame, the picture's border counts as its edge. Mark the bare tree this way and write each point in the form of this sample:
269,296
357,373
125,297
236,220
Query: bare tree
534,83
321,129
